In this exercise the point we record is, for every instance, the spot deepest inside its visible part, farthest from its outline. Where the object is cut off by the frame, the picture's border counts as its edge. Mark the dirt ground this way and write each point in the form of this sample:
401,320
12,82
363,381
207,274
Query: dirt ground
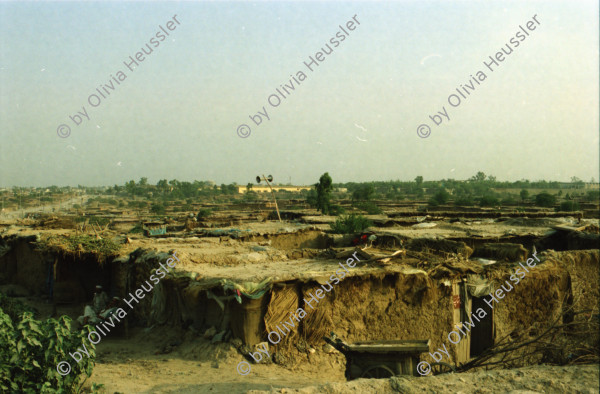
138,365
197,366
528,380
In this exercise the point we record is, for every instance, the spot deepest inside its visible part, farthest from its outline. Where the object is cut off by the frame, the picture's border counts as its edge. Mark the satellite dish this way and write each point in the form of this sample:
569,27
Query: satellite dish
270,178
257,179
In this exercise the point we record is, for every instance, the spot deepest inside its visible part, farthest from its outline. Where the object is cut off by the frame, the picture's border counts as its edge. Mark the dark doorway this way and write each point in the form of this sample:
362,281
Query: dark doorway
482,335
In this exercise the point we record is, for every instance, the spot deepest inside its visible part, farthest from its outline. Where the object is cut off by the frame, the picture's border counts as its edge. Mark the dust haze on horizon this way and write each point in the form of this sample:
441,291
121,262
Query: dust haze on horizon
355,115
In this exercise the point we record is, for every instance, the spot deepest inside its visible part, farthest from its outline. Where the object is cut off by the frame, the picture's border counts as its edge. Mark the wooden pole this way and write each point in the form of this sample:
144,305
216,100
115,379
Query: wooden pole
274,199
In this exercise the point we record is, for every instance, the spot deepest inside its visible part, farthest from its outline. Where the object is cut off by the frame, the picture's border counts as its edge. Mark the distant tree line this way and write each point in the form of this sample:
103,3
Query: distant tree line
173,189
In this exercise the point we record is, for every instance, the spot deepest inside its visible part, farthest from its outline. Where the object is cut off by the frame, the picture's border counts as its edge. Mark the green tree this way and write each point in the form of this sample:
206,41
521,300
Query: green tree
569,206
324,189
593,195
419,180
524,194
162,186
143,181
577,183
363,193
479,177
158,209
311,198
488,200
232,188
545,200
464,200
130,187
203,213
187,190
441,196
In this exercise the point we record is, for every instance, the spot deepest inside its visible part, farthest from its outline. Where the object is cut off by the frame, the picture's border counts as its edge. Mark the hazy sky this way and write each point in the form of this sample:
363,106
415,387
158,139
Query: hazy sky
355,115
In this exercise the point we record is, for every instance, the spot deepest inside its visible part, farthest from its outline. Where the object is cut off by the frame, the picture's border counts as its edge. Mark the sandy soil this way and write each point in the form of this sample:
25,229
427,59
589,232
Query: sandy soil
196,366
140,365
528,380
163,361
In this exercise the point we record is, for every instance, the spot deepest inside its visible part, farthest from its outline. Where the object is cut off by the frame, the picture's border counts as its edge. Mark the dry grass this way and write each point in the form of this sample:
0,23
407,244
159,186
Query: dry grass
77,245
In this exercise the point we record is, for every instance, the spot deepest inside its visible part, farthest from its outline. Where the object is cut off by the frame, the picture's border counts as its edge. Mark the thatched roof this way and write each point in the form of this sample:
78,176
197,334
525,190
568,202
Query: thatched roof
78,245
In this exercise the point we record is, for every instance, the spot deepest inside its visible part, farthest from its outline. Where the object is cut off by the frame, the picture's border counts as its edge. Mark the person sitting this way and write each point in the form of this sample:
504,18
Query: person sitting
89,316
90,313
111,308
100,299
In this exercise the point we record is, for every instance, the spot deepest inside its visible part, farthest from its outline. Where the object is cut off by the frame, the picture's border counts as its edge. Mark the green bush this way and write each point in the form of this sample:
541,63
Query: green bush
336,210
432,203
137,229
593,196
99,221
350,224
464,201
31,351
364,192
569,206
489,200
158,209
369,207
545,200
204,213
441,197
509,200
14,308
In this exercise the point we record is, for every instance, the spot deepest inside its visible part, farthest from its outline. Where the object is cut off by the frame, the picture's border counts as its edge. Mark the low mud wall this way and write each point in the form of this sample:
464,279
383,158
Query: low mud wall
75,277
541,297
370,307
22,265
583,265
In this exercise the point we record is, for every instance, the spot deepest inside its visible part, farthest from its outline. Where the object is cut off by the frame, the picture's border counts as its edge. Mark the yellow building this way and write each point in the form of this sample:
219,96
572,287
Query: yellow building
266,189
